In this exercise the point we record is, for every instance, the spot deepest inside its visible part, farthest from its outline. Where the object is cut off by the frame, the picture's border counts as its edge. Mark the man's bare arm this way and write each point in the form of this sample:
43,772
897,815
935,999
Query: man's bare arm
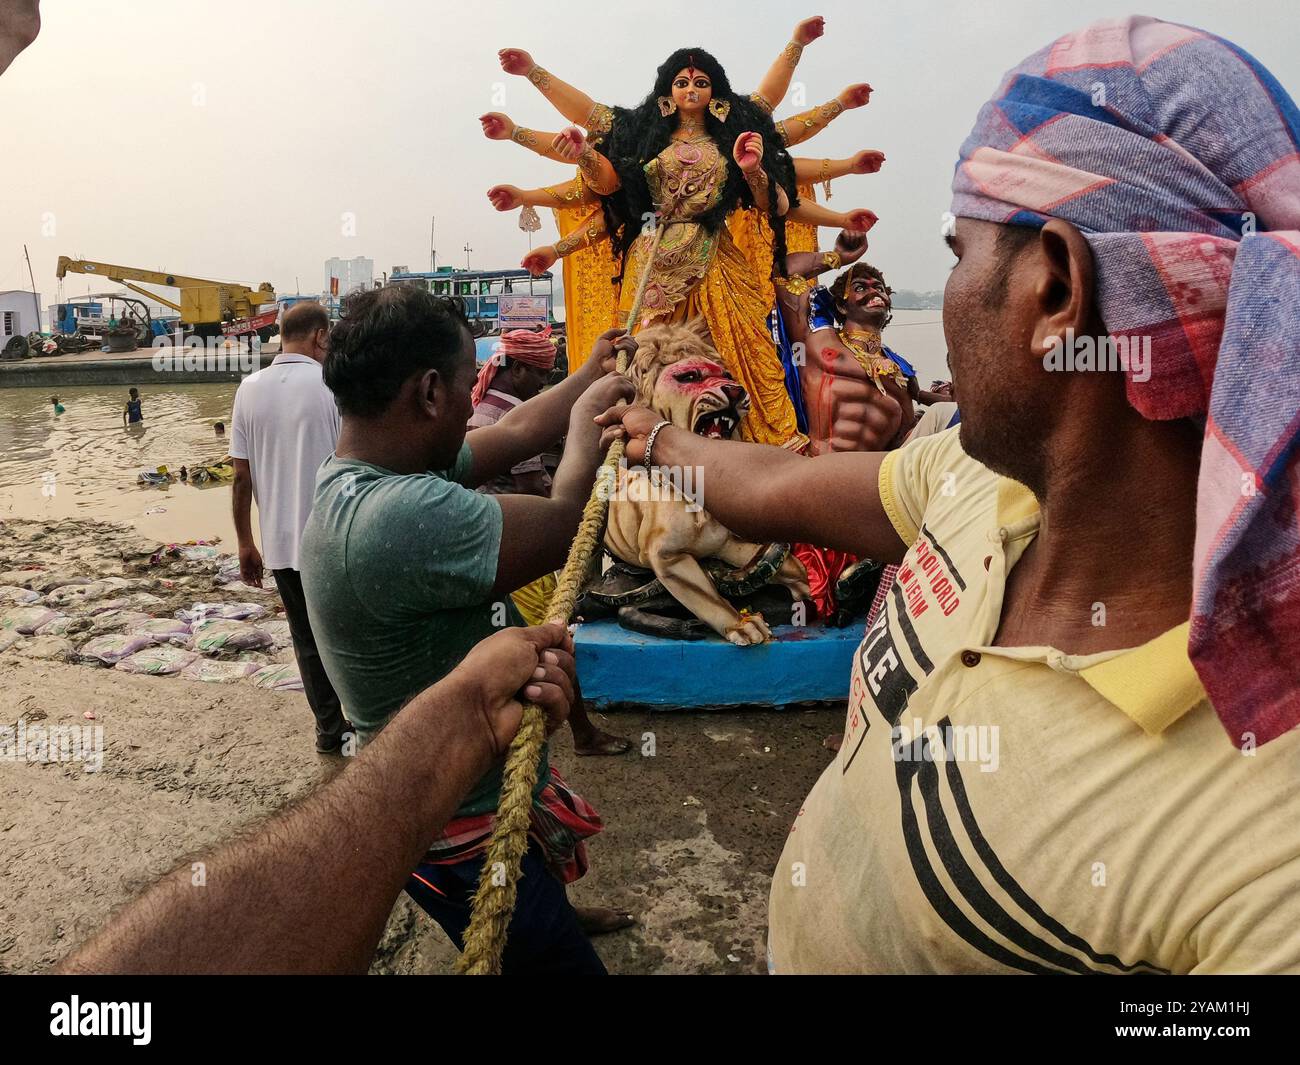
310,890
536,533
765,493
241,501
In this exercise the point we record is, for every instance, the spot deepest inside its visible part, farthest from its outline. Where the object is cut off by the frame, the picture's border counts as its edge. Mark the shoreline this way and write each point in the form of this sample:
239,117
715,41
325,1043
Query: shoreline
130,368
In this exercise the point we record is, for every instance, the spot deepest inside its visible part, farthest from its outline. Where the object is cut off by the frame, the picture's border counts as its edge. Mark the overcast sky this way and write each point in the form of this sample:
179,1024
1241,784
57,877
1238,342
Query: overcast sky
230,138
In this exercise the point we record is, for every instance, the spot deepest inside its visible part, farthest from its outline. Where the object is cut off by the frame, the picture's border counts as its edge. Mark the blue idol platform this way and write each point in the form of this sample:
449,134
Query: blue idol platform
807,664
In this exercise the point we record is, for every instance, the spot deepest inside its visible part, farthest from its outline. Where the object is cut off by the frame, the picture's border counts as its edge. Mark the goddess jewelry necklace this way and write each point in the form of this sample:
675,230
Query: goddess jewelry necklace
689,126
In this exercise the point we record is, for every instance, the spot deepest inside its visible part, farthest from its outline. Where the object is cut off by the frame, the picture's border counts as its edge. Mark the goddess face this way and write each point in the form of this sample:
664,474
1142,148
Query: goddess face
692,90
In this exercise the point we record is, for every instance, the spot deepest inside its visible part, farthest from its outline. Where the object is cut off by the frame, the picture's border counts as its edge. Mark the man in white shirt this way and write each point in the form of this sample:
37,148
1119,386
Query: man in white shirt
286,424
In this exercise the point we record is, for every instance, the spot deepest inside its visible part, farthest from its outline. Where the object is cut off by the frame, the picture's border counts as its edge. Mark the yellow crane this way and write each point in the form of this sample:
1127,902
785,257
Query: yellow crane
206,307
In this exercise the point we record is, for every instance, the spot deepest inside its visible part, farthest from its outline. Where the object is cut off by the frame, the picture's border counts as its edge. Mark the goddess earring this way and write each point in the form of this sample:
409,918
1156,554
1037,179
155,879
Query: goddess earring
667,105
720,109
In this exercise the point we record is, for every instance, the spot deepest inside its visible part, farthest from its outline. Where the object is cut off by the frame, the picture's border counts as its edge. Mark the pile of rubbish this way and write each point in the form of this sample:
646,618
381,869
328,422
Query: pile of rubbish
221,471
35,345
150,623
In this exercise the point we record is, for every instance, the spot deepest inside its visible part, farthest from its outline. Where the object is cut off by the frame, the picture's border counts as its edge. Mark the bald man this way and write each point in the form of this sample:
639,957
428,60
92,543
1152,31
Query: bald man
286,424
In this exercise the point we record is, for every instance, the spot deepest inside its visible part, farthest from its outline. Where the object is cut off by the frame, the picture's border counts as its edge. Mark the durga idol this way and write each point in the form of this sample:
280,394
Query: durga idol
683,160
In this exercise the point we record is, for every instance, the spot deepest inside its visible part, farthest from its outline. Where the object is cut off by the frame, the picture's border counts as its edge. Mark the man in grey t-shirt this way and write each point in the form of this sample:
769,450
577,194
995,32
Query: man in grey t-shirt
406,568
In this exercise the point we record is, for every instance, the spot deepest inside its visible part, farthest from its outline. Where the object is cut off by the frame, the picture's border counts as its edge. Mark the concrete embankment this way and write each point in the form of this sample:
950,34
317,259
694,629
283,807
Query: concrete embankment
145,368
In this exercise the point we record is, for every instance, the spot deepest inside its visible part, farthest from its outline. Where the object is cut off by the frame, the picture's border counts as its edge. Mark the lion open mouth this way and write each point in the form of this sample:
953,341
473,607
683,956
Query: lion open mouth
716,424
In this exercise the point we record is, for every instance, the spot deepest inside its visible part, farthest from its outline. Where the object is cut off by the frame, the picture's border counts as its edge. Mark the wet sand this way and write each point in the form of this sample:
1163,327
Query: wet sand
692,834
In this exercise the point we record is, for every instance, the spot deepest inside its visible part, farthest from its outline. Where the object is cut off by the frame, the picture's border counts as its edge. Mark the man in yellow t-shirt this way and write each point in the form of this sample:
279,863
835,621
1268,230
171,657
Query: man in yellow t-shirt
1020,809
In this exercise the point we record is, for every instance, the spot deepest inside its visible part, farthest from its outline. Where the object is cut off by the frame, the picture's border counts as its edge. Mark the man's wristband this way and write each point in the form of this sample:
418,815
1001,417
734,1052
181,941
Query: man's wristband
650,443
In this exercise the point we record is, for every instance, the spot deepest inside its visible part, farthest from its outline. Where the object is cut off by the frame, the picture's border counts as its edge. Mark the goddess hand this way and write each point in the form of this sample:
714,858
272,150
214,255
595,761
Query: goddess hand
855,96
860,221
748,152
867,162
570,143
496,126
516,61
505,197
809,30
539,260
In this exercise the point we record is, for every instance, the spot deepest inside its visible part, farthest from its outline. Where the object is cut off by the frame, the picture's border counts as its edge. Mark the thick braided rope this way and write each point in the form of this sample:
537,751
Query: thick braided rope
498,885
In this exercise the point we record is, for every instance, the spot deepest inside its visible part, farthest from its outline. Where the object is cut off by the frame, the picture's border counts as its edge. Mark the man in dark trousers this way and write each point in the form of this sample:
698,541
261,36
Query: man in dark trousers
286,424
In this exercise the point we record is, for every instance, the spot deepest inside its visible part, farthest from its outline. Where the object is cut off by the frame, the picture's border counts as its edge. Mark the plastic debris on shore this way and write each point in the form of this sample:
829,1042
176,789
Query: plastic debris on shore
228,575
189,551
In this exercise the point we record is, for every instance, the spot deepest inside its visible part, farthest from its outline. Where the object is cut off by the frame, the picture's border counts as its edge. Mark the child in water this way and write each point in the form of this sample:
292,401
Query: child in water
58,407
133,414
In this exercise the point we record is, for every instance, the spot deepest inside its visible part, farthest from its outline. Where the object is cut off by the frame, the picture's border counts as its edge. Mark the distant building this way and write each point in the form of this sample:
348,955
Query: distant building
352,273
19,313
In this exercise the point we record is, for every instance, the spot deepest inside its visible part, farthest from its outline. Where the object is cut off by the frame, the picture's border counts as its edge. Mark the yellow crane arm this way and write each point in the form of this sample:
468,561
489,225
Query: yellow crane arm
128,273
151,294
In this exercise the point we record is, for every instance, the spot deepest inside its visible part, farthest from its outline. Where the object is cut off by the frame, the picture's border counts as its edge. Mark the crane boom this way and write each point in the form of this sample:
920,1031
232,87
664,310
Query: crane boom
204,304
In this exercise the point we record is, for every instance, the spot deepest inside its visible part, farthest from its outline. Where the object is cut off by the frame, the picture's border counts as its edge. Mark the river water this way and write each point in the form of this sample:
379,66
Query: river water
83,463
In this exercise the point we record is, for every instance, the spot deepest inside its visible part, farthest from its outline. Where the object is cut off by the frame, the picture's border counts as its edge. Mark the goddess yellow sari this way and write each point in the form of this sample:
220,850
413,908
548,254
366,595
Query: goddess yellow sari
698,273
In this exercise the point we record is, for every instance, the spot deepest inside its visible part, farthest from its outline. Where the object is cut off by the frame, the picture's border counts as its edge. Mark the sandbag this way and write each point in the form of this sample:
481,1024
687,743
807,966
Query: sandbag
220,634
279,630
158,661
280,678
71,594
110,650
229,611
27,619
58,627
214,671
163,630
117,620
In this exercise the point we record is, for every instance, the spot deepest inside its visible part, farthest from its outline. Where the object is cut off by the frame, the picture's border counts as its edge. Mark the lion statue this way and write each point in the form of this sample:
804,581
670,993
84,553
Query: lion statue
656,525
